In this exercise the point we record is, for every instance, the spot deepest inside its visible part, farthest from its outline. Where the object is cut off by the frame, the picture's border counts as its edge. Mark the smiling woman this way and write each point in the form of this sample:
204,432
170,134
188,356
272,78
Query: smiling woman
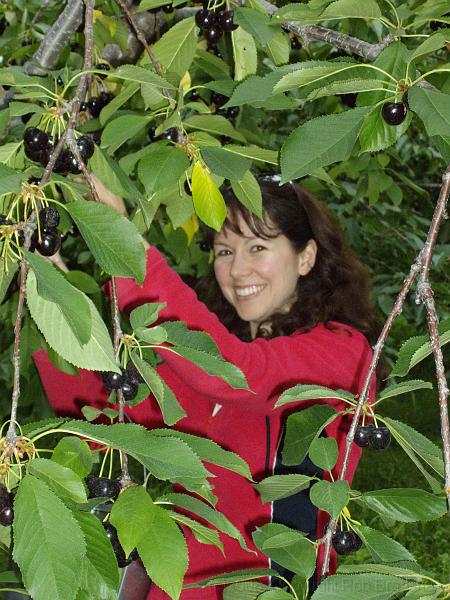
291,306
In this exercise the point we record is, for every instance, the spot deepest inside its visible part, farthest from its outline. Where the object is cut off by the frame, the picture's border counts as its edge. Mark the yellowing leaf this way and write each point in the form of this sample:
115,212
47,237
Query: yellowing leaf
208,201
190,228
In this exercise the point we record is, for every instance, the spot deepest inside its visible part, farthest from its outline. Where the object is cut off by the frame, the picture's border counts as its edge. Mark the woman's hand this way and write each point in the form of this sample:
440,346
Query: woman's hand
107,197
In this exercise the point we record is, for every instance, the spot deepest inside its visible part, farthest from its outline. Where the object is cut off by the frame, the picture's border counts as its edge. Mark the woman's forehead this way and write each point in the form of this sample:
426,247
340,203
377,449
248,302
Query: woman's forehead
237,225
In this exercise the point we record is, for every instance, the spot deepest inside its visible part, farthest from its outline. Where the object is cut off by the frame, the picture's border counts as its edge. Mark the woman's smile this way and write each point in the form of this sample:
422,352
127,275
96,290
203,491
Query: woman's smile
248,292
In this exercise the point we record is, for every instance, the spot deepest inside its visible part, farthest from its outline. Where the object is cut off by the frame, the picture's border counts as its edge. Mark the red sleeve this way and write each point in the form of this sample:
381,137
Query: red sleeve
334,358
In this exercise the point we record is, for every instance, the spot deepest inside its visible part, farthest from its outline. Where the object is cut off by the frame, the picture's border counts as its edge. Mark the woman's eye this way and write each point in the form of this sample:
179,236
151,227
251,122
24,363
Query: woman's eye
222,253
257,248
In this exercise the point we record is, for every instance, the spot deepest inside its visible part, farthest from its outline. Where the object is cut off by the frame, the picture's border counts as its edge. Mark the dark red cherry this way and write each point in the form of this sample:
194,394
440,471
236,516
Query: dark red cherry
380,438
170,134
348,99
151,131
345,542
200,15
213,34
394,113
209,20
102,67
6,515
49,217
167,8
133,374
100,487
35,139
95,106
129,389
204,246
218,99
112,381
83,106
85,147
122,561
435,25
226,20
50,243
362,435
232,112
72,163
295,43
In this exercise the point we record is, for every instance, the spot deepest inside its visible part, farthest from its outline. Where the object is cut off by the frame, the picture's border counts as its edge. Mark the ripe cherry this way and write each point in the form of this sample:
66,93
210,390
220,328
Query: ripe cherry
72,163
204,246
362,435
346,542
122,561
167,8
100,487
3,25
95,106
151,131
394,113
348,99
170,134
102,67
226,20
129,389
435,25
6,507
295,43
133,374
85,147
83,106
35,139
49,217
112,381
50,243
213,34
209,20
380,438
199,16
218,99
232,112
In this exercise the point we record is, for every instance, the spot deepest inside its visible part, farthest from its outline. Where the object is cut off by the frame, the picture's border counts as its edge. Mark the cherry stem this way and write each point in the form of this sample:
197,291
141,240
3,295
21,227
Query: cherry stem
424,294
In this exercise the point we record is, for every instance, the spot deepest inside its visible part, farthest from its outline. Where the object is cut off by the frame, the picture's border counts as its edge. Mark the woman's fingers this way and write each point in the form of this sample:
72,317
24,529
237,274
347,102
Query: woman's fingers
107,197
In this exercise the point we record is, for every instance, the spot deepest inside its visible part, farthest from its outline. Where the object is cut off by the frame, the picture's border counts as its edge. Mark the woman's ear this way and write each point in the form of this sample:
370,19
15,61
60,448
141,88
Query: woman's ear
307,258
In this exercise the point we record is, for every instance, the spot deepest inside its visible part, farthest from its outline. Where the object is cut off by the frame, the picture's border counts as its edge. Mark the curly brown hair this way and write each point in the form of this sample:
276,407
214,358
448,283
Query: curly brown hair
336,289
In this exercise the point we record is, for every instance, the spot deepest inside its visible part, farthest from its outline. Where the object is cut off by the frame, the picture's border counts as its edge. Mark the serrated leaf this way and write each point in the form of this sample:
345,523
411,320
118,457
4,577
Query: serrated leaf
248,192
204,535
254,89
10,180
201,349
376,134
381,547
7,151
82,281
324,452
209,451
405,504
215,124
301,428
406,573
225,164
171,409
99,575
404,387
96,355
320,142
311,392
112,176
344,9
164,553
6,278
44,532
431,44
141,75
432,107
176,48
162,167
330,496
208,201
300,13
152,335
145,314
62,480
244,52
255,153
369,586
248,590
348,86
54,287
281,486
278,48
302,74
232,577
206,512
293,552
75,454
132,514
112,238
255,22
122,129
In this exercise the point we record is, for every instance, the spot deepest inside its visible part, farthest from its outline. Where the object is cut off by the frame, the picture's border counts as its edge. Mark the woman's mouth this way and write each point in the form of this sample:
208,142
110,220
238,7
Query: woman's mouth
248,292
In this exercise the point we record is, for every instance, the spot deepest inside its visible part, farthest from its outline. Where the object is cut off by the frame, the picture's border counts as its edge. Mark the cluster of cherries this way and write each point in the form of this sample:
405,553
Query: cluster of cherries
6,506
50,241
95,104
127,381
214,24
346,541
39,147
377,438
103,487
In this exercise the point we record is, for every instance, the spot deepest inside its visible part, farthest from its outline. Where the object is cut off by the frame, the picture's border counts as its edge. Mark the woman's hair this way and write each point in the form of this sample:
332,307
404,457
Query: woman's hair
336,289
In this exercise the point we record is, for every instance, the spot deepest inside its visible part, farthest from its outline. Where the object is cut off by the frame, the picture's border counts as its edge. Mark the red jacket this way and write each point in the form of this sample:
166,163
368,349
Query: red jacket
336,358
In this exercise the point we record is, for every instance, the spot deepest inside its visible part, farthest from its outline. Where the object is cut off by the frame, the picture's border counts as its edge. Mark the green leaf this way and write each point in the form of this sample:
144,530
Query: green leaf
301,428
128,90
404,573
233,577
311,71
10,180
281,486
201,349
255,153
287,547
279,48
112,238
82,281
404,387
300,13
132,514
225,164
324,452
244,52
215,124
417,349
112,176
248,590
207,513
247,191
311,392
152,335
7,151
54,287
62,480
214,66
405,504
381,547
209,451
176,48
141,75
208,201
343,9
44,532
347,86
376,134
164,553
253,90
256,23
171,409
204,535
75,454
145,314
96,355
6,278
369,586
99,575
161,167
431,44
432,107
330,496
122,129
320,142
275,595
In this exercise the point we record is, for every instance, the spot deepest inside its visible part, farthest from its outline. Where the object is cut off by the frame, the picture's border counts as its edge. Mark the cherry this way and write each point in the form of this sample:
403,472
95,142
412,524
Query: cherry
72,163
83,106
232,112
85,147
102,67
3,25
204,246
394,113
435,25
133,375
194,95
35,140
348,99
96,137
129,389
61,164
213,34
50,243
49,217
151,131
295,43
59,80
170,134
106,97
6,507
100,487
380,438
111,534
95,106
226,20
112,381
218,99
200,16
346,542
362,435
167,8
209,20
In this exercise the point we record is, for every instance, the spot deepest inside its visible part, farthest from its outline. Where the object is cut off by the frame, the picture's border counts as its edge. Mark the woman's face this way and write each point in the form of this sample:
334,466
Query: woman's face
258,276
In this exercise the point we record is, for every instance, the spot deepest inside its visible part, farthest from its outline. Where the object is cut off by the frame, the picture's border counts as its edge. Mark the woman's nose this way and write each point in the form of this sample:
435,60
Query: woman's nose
240,266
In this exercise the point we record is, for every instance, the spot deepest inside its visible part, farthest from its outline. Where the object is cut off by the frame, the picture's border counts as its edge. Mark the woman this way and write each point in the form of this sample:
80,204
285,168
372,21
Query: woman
296,310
